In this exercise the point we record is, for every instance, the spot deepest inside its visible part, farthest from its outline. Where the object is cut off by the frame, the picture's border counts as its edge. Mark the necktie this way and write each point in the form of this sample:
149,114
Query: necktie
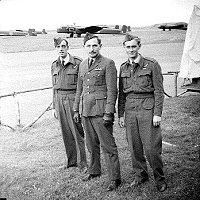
91,62
63,62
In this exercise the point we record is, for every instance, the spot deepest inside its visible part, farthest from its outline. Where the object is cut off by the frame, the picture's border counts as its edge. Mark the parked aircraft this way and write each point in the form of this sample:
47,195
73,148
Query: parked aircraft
170,26
78,30
19,32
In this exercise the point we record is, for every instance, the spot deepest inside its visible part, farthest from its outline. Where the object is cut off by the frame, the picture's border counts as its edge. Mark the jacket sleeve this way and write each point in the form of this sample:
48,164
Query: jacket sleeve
121,98
79,90
157,78
53,90
111,84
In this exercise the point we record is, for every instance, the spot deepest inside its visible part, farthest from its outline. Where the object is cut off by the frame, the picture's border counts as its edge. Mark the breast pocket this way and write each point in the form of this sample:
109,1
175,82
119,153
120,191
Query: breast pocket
126,79
144,78
71,77
99,78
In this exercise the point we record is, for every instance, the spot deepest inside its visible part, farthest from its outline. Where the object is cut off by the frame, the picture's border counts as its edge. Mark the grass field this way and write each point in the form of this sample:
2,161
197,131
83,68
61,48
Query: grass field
31,161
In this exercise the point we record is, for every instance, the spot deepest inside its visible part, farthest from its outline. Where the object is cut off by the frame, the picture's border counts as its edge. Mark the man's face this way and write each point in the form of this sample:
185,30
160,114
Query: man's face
93,47
62,49
132,47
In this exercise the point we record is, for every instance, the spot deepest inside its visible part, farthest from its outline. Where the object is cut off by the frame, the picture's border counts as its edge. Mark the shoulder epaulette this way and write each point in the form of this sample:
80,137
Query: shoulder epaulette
54,62
150,59
78,58
123,63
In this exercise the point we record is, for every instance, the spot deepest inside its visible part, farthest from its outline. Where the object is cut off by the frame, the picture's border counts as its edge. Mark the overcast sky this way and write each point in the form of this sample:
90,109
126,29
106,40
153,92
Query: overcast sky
51,14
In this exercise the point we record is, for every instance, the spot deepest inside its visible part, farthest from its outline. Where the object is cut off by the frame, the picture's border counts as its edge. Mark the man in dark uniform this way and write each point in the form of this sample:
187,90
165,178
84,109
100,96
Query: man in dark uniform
64,73
95,100
141,97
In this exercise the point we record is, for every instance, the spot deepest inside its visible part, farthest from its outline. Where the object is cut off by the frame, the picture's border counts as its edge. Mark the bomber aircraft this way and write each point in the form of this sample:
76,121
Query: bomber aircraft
175,25
79,29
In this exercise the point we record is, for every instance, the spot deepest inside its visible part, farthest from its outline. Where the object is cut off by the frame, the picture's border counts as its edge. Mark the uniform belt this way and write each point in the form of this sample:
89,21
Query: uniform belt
132,95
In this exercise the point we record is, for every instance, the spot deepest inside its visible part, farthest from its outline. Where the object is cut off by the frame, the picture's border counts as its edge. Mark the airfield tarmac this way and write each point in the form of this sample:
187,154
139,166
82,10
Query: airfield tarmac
31,70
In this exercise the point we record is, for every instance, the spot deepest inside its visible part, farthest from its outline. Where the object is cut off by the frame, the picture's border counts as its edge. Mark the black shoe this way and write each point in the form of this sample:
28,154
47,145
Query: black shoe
91,176
137,182
72,165
161,186
114,184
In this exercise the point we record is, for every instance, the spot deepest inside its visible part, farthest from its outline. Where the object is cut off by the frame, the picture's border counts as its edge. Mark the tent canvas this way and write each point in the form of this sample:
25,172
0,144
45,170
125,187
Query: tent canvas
190,63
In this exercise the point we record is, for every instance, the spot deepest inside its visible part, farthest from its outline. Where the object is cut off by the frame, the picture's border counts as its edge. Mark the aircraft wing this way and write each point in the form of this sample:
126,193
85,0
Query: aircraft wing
90,29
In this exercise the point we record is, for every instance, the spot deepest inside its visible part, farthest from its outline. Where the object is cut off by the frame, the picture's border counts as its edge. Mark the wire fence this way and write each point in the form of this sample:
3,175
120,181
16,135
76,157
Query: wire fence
17,103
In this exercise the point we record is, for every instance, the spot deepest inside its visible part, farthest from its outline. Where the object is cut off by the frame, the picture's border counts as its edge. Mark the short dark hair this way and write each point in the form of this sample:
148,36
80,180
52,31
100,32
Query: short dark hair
130,37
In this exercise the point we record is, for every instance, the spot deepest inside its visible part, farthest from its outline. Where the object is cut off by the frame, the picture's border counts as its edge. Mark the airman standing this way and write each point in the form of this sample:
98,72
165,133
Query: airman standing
95,100
141,97
64,73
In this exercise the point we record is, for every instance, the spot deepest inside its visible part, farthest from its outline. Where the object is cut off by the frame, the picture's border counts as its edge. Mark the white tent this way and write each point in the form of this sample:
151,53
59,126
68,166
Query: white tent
190,63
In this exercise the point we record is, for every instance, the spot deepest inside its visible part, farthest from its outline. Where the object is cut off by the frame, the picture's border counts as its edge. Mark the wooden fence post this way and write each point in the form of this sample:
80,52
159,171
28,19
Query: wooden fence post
17,109
175,84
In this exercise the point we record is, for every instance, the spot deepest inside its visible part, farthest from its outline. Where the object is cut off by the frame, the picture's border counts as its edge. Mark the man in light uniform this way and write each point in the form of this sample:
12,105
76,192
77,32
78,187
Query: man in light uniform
141,97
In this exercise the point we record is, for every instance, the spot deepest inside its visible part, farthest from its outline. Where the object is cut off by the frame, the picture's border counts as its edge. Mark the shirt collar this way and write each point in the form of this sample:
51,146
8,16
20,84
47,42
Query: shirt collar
137,60
69,59
66,59
96,58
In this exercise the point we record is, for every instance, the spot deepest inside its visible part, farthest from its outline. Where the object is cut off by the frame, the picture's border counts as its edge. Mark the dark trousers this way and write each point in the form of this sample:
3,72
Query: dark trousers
143,137
98,135
73,134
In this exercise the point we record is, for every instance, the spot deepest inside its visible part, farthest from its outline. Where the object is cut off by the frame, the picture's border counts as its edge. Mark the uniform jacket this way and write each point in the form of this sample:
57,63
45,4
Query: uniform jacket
65,77
143,79
96,88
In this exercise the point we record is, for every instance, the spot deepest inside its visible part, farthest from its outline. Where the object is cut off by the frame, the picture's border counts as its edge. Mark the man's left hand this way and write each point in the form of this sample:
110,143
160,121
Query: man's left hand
156,120
108,119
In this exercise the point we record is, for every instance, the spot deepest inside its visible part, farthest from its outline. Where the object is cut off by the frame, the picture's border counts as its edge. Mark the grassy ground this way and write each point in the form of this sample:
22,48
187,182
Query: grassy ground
31,161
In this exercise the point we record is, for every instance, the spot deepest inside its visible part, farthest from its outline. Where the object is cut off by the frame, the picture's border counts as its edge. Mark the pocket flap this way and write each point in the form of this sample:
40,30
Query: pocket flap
144,72
101,97
125,74
72,72
55,72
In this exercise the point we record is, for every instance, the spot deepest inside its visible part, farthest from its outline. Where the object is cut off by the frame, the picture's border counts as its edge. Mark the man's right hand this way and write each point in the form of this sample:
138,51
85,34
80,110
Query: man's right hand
76,117
54,113
121,122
